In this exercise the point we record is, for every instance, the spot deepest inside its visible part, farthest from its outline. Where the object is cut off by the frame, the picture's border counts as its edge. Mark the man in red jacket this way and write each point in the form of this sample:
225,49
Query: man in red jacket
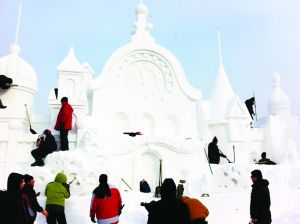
64,123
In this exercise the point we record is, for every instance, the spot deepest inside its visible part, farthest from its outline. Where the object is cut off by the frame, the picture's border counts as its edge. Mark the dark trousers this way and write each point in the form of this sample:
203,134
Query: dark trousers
199,221
56,216
39,153
64,142
266,221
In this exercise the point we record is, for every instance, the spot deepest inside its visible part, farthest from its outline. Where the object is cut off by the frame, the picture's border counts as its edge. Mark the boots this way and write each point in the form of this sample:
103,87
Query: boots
1,105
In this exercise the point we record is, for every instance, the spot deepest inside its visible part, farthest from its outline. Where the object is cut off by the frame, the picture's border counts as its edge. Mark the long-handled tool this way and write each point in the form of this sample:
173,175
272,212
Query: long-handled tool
72,180
255,106
208,162
158,188
16,85
126,184
30,129
233,154
225,157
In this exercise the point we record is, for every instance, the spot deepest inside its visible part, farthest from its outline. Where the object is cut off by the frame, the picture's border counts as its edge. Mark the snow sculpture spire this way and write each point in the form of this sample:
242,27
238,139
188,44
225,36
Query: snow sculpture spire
18,24
221,94
141,29
278,102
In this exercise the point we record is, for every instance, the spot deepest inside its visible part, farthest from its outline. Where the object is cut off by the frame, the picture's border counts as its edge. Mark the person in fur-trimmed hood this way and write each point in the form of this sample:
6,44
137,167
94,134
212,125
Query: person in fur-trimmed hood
106,202
46,144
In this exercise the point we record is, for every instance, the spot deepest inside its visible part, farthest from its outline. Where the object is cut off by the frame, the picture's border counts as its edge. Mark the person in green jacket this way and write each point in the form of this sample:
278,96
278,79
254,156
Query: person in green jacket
56,192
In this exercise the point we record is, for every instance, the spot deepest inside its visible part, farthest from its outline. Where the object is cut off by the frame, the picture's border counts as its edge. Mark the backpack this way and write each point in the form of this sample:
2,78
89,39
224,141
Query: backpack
30,214
144,187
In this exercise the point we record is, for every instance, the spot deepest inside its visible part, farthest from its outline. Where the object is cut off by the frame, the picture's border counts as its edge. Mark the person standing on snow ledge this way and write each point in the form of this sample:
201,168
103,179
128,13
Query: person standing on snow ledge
249,104
260,199
64,123
5,83
213,152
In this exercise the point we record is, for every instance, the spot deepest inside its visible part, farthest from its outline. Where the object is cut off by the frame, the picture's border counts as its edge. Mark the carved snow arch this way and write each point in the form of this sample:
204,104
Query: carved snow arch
120,122
172,126
145,124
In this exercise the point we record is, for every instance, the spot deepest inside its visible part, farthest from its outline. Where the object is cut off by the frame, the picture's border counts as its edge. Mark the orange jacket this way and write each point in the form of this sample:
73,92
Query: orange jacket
196,208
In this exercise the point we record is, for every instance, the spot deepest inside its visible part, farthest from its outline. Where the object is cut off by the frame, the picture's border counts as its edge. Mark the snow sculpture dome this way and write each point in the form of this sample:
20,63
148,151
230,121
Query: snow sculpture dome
141,9
278,102
22,74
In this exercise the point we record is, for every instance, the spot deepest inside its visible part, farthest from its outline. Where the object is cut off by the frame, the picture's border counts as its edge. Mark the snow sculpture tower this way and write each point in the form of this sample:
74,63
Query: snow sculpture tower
282,128
23,75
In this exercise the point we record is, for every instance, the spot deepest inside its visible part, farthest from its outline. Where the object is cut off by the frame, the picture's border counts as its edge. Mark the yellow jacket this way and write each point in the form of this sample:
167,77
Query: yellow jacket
196,208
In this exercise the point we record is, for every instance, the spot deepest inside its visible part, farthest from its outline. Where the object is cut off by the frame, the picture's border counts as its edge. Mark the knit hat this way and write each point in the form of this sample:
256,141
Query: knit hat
103,179
27,178
215,139
257,173
64,99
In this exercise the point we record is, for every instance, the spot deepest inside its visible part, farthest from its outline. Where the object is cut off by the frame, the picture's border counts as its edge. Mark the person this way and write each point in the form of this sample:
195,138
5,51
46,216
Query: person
249,104
30,196
214,152
106,202
15,183
265,160
9,208
169,209
198,212
56,193
46,144
64,123
5,83
260,199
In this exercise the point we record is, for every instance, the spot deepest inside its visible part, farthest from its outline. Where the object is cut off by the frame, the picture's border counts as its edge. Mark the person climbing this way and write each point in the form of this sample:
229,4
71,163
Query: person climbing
30,196
198,212
56,193
46,144
5,83
64,123
169,209
214,152
249,104
265,160
106,202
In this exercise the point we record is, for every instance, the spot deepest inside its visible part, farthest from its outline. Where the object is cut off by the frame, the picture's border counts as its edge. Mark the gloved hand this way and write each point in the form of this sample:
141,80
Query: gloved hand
62,124
93,220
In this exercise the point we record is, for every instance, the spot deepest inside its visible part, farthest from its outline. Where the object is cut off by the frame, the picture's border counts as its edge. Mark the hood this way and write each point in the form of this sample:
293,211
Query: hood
262,182
168,189
13,183
61,178
47,132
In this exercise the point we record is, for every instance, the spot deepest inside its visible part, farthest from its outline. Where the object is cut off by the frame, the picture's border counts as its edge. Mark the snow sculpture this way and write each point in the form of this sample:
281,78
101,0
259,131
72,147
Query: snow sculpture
288,217
294,180
290,155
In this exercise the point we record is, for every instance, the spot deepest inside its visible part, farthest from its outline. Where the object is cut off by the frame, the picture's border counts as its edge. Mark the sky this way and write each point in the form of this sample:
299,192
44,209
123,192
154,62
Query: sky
258,38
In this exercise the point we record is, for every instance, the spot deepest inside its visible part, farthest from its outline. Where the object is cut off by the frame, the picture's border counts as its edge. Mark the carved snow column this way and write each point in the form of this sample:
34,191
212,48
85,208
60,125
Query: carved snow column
71,84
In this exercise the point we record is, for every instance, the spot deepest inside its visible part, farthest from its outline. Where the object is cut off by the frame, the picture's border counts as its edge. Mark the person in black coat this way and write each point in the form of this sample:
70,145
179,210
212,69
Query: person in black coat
46,144
30,195
260,199
213,152
265,160
8,208
15,183
5,83
249,104
169,209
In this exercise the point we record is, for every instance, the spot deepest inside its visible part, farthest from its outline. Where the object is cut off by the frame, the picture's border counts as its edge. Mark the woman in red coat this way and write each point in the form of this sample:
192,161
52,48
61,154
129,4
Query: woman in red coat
64,123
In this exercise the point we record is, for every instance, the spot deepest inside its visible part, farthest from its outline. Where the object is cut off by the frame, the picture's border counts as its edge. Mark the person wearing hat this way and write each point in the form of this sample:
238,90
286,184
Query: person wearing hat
56,192
5,83
213,152
30,196
169,209
46,144
260,199
249,104
106,202
64,123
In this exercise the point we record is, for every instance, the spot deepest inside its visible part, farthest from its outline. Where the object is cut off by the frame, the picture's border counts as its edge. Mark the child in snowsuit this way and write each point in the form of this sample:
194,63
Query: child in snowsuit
56,192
